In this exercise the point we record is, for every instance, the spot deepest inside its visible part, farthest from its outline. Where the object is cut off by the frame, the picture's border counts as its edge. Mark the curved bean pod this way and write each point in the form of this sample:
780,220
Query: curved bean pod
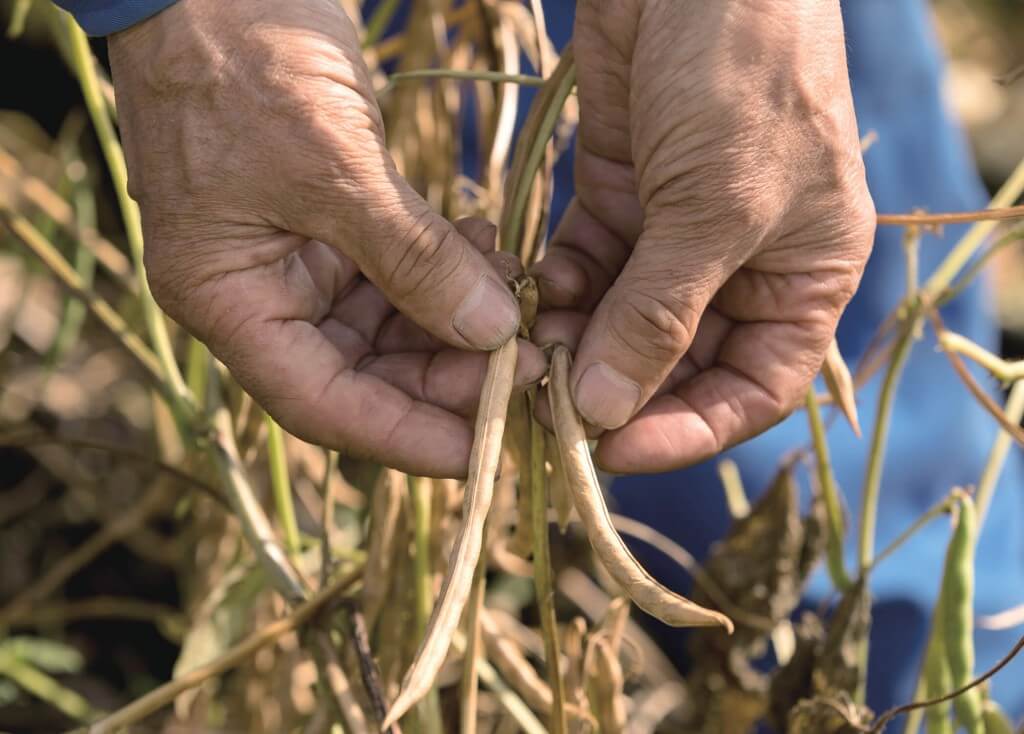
640,586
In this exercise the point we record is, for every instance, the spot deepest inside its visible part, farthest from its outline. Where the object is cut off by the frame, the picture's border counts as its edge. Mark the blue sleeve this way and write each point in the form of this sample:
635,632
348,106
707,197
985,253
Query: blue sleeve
103,17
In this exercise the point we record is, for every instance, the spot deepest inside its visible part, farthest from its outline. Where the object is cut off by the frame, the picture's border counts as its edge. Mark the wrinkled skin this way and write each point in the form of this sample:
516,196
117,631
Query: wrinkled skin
279,232
721,225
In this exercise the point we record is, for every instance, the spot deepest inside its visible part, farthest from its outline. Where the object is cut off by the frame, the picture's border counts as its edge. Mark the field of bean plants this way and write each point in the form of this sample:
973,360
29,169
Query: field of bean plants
173,561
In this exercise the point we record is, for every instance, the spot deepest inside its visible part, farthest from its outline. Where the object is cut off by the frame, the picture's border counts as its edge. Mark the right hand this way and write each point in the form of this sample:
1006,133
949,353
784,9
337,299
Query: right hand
279,232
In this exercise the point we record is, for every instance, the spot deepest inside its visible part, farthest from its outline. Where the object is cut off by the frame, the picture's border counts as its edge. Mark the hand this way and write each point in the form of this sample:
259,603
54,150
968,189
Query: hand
279,232
721,225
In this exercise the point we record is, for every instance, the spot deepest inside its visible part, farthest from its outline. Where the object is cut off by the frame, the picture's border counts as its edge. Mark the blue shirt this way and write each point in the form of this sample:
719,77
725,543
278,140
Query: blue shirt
939,436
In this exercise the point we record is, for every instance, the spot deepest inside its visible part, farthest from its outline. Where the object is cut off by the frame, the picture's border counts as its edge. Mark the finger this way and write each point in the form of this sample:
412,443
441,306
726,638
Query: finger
399,334
644,324
423,264
451,379
583,259
315,392
761,372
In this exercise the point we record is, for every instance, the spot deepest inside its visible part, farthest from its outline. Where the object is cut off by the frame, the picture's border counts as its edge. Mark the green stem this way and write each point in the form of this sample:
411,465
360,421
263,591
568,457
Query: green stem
378,22
197,371
997,456
1003,369
879,440
421,492
513,214
84,67
281,486
85,266
542,573
933,512
830,493
46,688
960,255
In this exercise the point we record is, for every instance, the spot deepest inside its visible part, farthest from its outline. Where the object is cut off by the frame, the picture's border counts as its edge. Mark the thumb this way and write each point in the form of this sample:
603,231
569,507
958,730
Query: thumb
643,326
425,267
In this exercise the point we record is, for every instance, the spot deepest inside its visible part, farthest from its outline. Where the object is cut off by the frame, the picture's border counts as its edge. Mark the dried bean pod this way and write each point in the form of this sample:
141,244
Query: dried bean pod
640,586
483,464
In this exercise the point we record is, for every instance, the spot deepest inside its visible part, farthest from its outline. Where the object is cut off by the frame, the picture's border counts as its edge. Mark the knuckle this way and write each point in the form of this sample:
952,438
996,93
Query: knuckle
653,324
426,257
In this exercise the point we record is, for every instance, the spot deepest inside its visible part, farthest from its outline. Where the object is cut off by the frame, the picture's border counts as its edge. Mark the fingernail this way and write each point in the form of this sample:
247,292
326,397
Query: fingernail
606,397
487,317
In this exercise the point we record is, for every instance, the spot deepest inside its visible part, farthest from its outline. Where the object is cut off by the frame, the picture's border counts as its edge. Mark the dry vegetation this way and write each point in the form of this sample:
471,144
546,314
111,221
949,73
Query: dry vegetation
315,592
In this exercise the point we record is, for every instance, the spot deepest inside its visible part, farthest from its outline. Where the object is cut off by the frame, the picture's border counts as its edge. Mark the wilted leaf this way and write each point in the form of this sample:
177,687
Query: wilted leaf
839,669
827,715
221,621
761,566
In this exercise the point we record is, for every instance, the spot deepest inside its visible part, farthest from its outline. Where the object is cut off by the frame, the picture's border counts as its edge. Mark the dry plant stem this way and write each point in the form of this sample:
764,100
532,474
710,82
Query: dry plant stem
732,484
336,684
40,439
542,571
249,511
469,693
507,697
84,66
385,512
830,493
648,594
393,46
165,694
558,487
97,607
483,463
50,203
539,126
1003,369
1014,412
421,495
367,666
327,521
604,686
655,707
29,236
123,524
281,486
924,219
497,77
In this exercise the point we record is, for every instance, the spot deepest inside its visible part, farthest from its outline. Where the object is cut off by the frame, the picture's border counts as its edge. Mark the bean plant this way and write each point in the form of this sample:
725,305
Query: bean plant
322,593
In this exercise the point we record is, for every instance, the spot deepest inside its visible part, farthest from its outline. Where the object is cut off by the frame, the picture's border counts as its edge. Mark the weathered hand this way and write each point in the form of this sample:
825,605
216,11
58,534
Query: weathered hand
279,232
721,224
